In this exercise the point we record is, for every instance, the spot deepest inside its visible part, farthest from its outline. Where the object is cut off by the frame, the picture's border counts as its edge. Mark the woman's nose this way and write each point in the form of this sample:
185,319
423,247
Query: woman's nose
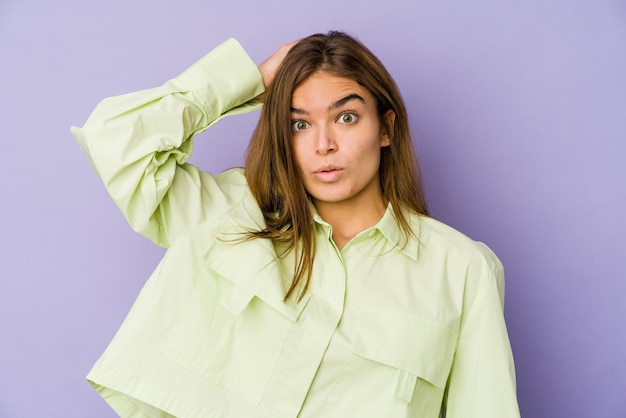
325,141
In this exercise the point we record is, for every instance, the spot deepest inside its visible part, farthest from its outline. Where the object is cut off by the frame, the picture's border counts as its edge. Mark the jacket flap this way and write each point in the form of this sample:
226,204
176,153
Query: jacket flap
408,342
256,270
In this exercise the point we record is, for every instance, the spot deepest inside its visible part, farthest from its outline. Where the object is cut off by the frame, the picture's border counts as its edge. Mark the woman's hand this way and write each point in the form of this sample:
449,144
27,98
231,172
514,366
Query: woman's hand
269,67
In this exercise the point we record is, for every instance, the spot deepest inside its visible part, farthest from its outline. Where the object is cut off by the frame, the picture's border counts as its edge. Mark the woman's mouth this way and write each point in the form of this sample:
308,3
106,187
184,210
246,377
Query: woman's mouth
328,175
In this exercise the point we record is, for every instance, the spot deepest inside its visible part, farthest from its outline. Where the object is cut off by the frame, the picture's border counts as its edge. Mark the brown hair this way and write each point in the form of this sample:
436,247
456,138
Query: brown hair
271,169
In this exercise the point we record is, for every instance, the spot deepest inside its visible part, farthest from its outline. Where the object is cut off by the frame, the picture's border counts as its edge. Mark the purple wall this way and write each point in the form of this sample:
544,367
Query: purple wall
520,111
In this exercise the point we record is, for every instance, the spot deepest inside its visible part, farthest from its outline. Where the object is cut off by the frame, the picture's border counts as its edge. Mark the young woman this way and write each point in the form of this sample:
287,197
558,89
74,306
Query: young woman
312,282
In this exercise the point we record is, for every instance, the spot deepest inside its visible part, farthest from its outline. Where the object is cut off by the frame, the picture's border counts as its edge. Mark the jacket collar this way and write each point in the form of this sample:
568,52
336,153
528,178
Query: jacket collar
388,226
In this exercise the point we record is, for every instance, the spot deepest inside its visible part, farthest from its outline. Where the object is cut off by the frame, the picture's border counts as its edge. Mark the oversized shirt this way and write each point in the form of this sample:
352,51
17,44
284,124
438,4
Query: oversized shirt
388,328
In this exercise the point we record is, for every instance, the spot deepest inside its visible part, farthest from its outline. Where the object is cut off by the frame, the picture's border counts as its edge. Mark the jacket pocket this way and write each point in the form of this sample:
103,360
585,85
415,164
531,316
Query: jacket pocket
229,336
419,349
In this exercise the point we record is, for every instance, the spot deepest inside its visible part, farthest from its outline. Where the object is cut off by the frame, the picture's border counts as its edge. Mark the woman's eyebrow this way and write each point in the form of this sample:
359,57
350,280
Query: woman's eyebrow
337,104
345,100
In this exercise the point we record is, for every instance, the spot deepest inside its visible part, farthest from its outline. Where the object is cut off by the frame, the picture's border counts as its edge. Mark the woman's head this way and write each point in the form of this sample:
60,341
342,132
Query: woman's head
272,168
339,55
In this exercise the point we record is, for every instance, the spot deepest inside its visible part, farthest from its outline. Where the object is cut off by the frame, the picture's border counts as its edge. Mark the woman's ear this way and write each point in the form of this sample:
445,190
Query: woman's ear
387,128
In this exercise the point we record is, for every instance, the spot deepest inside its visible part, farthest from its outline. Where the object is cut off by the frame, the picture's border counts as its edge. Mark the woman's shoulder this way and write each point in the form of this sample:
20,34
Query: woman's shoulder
238,208
232,176
234,186
438,237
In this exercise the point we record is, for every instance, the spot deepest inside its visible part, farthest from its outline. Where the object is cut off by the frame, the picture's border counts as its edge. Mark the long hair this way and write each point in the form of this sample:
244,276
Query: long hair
271,169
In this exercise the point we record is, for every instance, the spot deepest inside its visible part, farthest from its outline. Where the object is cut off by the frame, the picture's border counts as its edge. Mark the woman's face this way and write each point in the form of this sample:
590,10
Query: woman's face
337,138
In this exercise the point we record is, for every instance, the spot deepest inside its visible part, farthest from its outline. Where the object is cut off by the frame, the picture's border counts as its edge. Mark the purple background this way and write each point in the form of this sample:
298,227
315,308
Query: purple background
519,110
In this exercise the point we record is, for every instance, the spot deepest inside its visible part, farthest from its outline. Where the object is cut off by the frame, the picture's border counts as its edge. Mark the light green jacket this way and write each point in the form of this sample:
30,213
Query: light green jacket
385,330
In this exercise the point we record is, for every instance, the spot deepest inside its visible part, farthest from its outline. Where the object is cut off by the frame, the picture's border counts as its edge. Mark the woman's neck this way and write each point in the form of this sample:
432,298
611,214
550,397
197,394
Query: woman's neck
348,219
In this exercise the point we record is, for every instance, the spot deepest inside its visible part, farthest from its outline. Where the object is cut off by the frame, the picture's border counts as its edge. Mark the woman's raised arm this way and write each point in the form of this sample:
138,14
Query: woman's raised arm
138,144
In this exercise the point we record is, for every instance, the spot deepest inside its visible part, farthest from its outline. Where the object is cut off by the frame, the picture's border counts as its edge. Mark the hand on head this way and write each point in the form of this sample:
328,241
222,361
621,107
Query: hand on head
269,67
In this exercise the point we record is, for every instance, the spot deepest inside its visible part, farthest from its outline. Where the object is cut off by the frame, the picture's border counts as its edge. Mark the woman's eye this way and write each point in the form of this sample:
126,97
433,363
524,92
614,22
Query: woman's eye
299,125
347,118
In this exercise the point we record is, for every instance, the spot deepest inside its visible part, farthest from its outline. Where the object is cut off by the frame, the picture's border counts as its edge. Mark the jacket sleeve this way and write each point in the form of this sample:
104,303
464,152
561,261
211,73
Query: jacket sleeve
138,144
482,379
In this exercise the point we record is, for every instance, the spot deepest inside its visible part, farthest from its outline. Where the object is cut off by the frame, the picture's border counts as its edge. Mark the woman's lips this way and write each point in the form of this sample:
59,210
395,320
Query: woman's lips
328,175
